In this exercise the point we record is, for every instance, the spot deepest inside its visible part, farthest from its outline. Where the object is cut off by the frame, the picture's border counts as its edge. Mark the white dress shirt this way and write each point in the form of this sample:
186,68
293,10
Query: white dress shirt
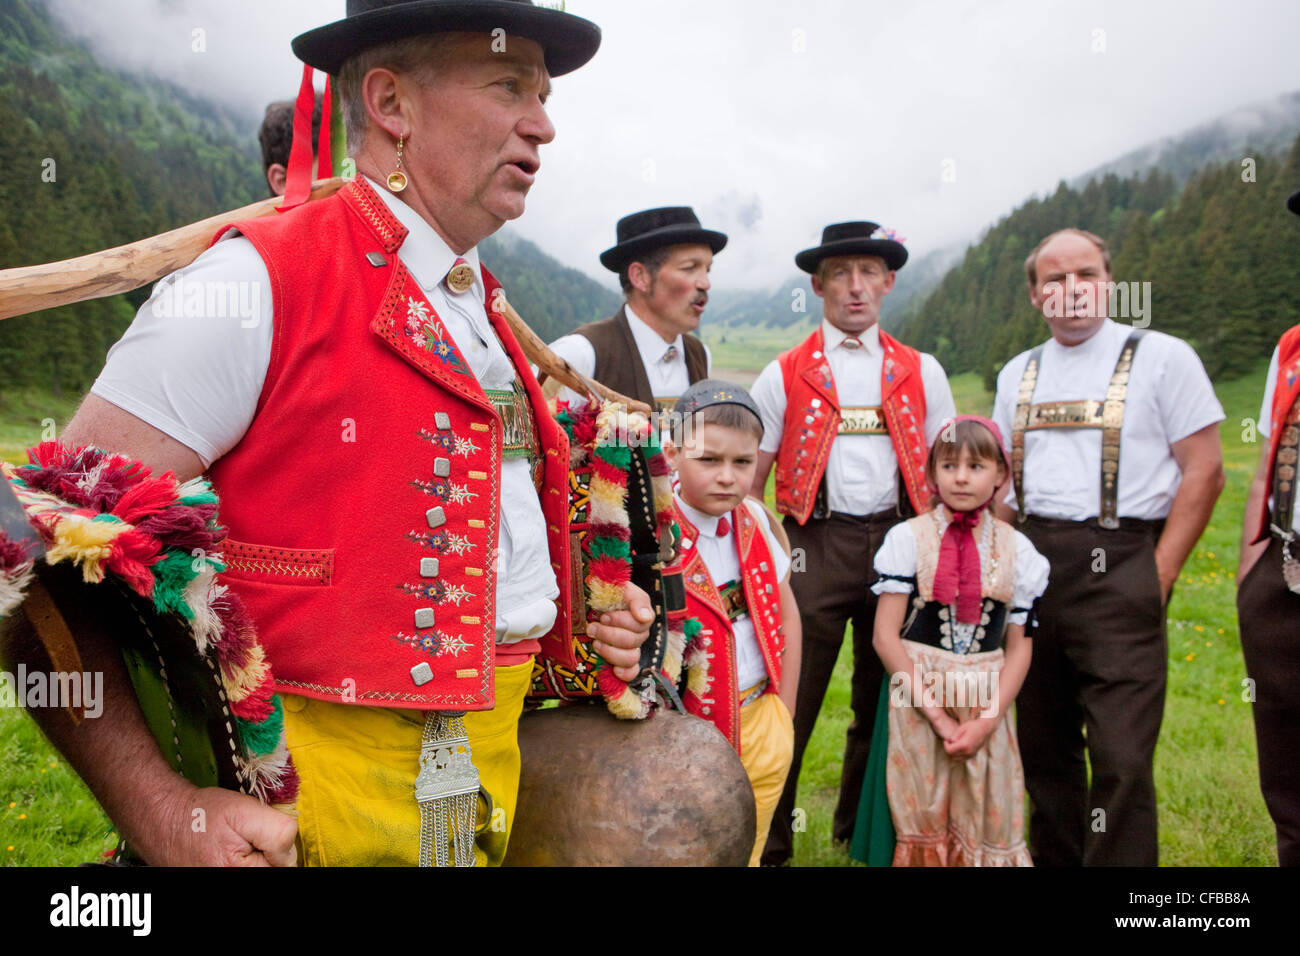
203,376
720,557
1169,397
1265,429
667,376
862,470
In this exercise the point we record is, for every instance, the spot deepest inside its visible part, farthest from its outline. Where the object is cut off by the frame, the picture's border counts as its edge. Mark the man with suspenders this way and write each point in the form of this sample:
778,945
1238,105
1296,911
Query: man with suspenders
1268,605
1116,465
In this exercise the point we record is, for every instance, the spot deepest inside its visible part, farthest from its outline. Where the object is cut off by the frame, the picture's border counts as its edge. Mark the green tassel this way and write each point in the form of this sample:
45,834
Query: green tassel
264,737
171,576
620,456
611,548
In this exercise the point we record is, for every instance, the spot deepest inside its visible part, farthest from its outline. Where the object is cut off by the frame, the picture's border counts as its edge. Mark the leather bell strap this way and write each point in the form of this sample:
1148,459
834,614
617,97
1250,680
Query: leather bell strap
862,420
1108,416
519,429
732,595
54,635
1284,482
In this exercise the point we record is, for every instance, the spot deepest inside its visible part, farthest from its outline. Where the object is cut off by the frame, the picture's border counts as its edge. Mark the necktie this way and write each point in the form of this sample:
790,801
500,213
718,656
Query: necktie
670,355
723,527
852,343
460,277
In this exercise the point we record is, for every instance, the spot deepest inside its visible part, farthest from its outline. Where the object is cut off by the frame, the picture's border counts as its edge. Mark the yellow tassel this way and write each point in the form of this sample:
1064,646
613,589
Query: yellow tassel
605,596
86,543
698,679
242,681
627,706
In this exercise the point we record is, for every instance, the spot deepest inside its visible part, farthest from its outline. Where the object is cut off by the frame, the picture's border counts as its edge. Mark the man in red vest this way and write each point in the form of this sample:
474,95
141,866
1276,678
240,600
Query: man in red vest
393,487
1268,594
848,418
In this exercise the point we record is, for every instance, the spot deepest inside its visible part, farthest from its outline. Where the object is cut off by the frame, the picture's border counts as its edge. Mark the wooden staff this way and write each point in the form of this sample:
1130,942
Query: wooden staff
33,288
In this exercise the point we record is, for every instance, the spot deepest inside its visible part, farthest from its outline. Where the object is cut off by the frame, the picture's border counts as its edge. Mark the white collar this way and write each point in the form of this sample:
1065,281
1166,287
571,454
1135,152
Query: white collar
424,252
650,343
706,524
1097,344
832,337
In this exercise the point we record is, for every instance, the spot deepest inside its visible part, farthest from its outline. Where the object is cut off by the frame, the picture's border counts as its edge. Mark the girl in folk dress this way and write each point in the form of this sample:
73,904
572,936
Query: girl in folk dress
956,586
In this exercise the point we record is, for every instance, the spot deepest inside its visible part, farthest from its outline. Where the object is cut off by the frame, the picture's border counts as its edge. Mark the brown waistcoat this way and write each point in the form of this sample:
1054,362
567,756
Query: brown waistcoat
618,361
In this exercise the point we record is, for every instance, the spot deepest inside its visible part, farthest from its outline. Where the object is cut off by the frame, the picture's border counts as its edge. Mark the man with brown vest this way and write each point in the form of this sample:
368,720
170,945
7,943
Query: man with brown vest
646,351
1268,594
848,417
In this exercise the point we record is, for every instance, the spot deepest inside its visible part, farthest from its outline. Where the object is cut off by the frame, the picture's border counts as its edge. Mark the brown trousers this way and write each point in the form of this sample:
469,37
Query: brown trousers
832,591
1269,618
1100,661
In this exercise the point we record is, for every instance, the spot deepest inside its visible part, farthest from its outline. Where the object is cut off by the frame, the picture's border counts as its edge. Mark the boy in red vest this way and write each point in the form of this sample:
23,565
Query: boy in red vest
743,666
848,418
1268,595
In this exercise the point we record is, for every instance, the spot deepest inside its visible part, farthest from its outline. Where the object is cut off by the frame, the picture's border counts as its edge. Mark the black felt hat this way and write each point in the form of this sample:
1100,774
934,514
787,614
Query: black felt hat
655,228
854,239
567,41
1294,204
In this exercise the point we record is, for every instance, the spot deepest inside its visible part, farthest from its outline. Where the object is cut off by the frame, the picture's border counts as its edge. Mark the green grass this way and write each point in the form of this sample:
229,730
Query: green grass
28,417
1211,811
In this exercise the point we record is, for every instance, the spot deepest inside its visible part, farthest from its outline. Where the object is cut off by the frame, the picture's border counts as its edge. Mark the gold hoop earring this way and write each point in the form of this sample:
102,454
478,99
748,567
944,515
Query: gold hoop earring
397,179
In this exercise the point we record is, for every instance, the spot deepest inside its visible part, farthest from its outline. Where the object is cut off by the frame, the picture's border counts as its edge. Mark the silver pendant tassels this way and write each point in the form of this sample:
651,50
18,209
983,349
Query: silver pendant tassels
447,791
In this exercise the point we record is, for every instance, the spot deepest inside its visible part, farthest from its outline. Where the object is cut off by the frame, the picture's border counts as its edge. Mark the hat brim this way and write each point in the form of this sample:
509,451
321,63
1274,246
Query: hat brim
625,253
894,253
1294,204
567,41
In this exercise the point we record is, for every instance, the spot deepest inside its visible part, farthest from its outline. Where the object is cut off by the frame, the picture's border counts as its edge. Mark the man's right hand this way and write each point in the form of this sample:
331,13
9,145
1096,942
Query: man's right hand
216,827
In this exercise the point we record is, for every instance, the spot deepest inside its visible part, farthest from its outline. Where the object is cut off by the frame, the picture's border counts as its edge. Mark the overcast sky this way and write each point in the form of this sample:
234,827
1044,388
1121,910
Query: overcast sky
775,117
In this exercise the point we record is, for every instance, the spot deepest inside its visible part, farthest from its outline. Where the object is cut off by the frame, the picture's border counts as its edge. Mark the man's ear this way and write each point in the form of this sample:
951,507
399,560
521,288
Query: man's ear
670,453
382,92
818,289
889,281
640,278
1034,297
276,174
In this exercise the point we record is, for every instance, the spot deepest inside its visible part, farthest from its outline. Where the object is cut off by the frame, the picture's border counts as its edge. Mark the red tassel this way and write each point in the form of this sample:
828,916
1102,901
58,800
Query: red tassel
610,570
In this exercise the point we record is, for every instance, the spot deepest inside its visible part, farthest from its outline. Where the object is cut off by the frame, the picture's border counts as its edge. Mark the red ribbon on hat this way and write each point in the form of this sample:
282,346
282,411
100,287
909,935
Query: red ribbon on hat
297,186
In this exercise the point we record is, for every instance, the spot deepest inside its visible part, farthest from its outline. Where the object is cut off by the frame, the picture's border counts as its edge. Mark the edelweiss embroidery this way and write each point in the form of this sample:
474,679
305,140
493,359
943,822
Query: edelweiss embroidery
445,490
427,333
439,592
433,643
444,542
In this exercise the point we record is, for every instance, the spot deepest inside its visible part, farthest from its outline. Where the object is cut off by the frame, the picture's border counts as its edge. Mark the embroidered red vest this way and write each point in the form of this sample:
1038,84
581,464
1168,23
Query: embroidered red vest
363,502
1285,391
718,698
812,419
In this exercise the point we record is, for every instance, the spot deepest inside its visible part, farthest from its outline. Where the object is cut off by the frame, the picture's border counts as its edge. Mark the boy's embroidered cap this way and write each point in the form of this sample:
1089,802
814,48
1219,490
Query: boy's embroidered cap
714,391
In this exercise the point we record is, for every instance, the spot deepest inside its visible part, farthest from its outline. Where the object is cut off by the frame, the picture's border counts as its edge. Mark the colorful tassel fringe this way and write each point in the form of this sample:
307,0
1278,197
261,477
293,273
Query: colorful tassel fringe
107,514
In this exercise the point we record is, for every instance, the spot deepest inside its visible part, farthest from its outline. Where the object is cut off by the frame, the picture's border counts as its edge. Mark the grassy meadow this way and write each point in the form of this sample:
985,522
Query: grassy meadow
1211,811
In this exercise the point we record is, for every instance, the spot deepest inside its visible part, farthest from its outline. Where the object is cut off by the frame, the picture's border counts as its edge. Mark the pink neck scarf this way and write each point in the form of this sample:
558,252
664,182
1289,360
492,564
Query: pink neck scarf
957,578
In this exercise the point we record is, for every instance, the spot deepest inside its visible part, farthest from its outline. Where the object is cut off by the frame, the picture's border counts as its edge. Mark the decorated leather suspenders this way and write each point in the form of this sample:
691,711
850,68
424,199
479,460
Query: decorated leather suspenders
1107,415
1284,475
